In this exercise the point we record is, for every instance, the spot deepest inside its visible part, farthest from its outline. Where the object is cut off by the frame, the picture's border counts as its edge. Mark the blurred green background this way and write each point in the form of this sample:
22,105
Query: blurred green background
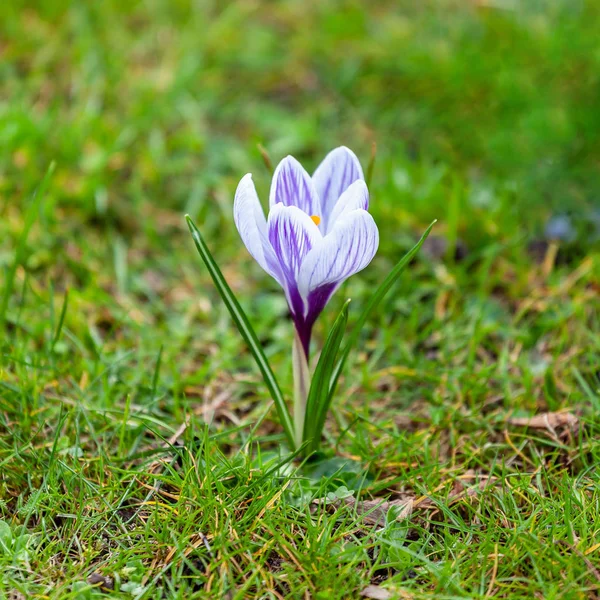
163,102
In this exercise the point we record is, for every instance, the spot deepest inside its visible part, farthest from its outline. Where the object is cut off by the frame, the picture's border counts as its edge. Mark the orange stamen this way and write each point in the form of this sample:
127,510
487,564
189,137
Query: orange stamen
316,219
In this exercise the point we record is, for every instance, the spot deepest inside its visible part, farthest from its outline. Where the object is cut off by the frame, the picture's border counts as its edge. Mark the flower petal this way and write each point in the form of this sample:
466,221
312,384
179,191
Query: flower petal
252,226
292,186
356,196
347,249
292,234
339,169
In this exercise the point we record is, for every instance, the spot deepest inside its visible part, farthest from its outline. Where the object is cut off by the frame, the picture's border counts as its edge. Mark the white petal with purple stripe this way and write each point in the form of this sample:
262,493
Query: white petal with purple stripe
339,169
292,186
252,226
346,250
356,196
292,234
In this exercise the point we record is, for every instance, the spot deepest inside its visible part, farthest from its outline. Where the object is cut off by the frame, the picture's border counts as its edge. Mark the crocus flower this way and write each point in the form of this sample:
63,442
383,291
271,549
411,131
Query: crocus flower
317,234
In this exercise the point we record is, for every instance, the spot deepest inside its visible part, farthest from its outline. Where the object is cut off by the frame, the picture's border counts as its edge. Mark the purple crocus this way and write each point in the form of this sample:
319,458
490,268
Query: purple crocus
318,232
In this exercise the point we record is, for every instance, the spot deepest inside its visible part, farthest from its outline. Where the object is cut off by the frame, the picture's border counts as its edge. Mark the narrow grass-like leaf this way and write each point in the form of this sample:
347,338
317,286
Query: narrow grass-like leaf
266,158
156,374
376,298
319,398
246,330
61,320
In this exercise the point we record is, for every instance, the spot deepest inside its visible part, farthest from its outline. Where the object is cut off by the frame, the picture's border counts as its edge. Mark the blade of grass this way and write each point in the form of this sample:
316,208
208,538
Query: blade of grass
376,298
246,330
156,374
61,320
319,398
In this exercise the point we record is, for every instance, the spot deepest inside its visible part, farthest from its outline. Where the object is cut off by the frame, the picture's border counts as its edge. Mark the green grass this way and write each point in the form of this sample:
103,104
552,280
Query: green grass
137,440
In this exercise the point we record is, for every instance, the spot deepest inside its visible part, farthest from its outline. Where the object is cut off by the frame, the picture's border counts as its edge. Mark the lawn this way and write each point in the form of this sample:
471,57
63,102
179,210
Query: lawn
140,454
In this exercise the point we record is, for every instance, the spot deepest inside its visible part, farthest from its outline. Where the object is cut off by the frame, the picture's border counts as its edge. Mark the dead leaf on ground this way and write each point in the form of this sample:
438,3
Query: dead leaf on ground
372,512
558,424
376,593
546,420
460,490
101,581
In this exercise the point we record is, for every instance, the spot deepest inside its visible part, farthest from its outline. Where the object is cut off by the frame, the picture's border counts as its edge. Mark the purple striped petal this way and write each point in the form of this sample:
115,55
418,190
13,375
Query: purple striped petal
347,249
355,197
252,226
292,234
292,186
333,176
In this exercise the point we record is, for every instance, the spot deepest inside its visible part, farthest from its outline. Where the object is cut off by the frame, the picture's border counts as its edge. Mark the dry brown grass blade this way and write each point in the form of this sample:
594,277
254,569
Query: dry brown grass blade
588,563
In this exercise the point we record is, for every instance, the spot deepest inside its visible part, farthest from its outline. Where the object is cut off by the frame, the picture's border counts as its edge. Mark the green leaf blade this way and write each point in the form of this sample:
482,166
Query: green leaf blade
319,399
246,330
376,298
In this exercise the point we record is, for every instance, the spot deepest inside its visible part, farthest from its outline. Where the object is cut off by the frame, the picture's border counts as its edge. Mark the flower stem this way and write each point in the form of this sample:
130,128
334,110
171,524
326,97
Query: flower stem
301,386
